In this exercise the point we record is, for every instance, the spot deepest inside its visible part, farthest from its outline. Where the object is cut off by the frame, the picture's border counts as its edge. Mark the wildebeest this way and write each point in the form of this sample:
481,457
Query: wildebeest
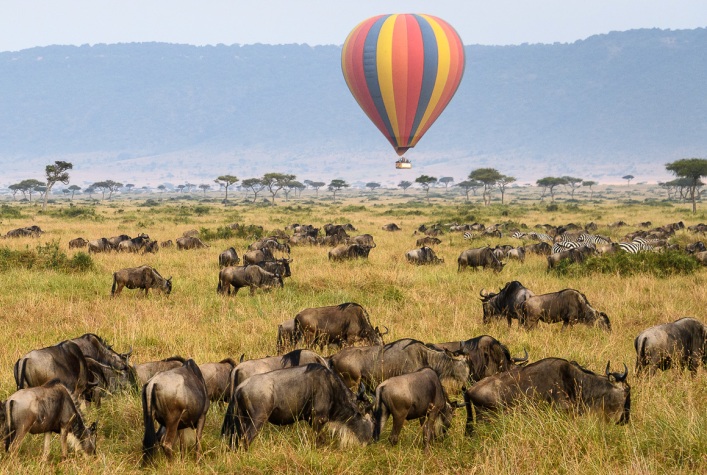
184,243
271,244
479,257
485,355
93,346
229,257
428,241
362,240
78,243
424,255
99,245
251,276
27,231
145,371
349,251
371,365
280,267
167,243
335,230
285,396
259,255
116,240
45,409
285,336
504,303
177,399
541,248
577,255
143,277
151,247
217,377
567,306
682,344
417,395
565,385
246,369
694,247
338,325
516,253
134,244
701,257
190,233
299,240
64,361
391,227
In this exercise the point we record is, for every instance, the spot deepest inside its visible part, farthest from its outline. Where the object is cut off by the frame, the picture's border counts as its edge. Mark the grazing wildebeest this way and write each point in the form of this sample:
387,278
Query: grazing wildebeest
27,231
78,243
217,377
541,248
45,409
246,369
251,276
167,243
485,355
145,371
271,244
682,344
184,243
116,240
339,325
577,255
335,230
95,347
516,253
64,361
229,257
312,393
300,240
371,365
694,247
417,395
567,306
177,399
701,257
99,245
479,257
424,255
190,233
259,255
285,336
152,247
391,227
504,303
278,266
143,277
134,244
332,241
362,240
428,241
565,385
349,251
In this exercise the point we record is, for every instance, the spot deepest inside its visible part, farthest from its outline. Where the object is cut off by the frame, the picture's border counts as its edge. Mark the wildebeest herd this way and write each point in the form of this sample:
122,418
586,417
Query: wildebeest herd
352,391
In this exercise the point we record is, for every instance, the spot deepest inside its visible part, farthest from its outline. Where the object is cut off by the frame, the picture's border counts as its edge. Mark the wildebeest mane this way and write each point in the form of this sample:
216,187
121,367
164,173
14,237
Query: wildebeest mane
292,358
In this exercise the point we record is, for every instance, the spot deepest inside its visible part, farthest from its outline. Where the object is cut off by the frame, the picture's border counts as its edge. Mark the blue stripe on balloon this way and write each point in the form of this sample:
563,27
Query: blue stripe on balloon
429,74
370,68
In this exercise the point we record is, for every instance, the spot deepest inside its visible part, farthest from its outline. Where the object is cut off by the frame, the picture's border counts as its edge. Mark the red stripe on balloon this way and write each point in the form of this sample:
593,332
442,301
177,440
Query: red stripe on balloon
416,58
400,69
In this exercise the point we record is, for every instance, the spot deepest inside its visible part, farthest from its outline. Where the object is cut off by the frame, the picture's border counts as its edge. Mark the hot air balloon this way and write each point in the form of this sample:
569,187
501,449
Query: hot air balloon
403,70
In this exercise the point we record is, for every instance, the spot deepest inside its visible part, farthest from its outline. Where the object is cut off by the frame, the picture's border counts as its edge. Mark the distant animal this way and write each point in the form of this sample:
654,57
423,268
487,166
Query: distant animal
312,393
479,257
577,255
542,248
133,245
143,277
116,240
251,276
280,267
99,245
248,368
567,306
417,395
485,355
45,409
190,233
337,325
259,255
564,384
680,344
391,227
701,257
151,247
78,243
177,399
362,240
349,251
229,257
424,255
695,247
428,241
217,377
517,253
145,371
285,336
27,231
184,243
505,303
167,243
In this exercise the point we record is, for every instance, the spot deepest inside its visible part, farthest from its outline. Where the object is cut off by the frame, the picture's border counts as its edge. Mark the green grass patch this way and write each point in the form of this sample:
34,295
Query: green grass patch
658,264
46,256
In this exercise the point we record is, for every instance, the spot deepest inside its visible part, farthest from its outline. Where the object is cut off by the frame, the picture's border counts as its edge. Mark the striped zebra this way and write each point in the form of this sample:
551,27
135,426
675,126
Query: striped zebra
564,246
593,238
540,236
635,247
469,235
519,235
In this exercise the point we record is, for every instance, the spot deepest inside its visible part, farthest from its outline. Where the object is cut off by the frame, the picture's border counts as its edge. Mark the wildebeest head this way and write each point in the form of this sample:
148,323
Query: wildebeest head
167,286
619,400
375,337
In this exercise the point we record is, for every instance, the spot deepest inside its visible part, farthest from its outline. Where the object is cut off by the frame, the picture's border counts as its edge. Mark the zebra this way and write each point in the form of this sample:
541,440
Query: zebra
635,247
593,238
564,246
519,235
540,236
469,235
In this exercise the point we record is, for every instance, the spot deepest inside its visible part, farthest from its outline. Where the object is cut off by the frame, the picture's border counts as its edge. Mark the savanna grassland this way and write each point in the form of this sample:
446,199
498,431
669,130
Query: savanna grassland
47,303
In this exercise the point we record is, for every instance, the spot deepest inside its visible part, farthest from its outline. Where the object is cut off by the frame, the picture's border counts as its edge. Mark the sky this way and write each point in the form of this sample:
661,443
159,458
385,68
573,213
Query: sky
29,23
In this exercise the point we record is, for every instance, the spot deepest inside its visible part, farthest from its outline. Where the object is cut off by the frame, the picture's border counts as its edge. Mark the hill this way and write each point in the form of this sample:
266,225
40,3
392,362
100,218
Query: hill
600,108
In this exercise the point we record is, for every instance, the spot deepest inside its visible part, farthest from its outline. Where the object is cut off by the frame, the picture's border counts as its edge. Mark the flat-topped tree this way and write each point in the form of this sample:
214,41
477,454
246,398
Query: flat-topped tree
274,182
204,187
489,177
255,185
290,186
373,185
425,182
692,170
226,181
59,172
628,179
315,185
73,189
29,186
337,185
590,184
572,183
446,180
503,183
549,183
404,185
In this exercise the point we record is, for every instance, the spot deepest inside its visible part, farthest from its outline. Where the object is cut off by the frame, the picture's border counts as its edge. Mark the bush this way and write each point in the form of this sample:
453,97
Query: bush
225,232
10,212
658,264
77,212
47,256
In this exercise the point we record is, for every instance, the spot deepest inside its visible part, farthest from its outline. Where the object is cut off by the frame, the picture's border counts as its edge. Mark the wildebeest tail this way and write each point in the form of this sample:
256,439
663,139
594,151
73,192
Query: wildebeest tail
298,334
379,415
115,284
8,431
280,343
19,372
640,353
149,441
469,414
229,421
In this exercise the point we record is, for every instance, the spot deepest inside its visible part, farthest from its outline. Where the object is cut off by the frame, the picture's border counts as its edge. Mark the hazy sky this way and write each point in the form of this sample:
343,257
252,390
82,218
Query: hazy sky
28,23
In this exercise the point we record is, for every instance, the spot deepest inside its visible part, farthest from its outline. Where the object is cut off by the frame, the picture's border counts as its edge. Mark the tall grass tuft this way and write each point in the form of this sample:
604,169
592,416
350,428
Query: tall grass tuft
47,256
658,264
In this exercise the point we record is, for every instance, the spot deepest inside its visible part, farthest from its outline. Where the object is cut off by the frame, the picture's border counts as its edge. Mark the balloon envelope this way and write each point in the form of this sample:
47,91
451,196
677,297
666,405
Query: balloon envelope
403,70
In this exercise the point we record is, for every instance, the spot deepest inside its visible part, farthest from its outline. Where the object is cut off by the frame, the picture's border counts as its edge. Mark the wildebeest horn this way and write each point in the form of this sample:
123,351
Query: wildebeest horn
386,331
484,293
521,360
127,355
608,368
242,357
361,390
621,377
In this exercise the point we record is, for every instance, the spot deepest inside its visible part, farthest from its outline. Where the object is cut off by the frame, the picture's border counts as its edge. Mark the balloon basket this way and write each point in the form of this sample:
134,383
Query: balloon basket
403,164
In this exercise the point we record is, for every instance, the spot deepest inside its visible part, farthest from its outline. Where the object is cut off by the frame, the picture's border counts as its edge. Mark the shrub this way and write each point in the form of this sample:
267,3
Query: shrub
658,264
47,256
77,212
10,212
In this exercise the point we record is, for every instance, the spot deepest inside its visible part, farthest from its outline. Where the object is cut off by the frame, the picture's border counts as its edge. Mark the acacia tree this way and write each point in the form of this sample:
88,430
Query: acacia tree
255,185
425,182
15,188
503,183
90,191
489,177
274,182
404,185
56,173
291,186
316,185
74,189
337,185
467,186
29,186
691,170
226,181
446,180
572,183
628,179
590,184
162,188
550,183
373,185
204,187
130,187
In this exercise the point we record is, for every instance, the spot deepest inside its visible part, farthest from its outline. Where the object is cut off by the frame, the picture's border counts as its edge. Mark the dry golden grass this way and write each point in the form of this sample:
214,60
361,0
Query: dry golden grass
668,429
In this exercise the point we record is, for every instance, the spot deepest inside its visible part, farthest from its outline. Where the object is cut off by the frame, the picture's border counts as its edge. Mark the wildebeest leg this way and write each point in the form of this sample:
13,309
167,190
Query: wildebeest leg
19,434
199,431
318,423
252,428
252,290
118,288
169,437
398,421
47,442
428,426
380,417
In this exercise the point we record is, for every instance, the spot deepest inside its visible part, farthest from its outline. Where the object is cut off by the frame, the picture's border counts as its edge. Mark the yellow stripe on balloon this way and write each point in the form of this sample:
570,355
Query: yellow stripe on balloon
384,62
443,65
